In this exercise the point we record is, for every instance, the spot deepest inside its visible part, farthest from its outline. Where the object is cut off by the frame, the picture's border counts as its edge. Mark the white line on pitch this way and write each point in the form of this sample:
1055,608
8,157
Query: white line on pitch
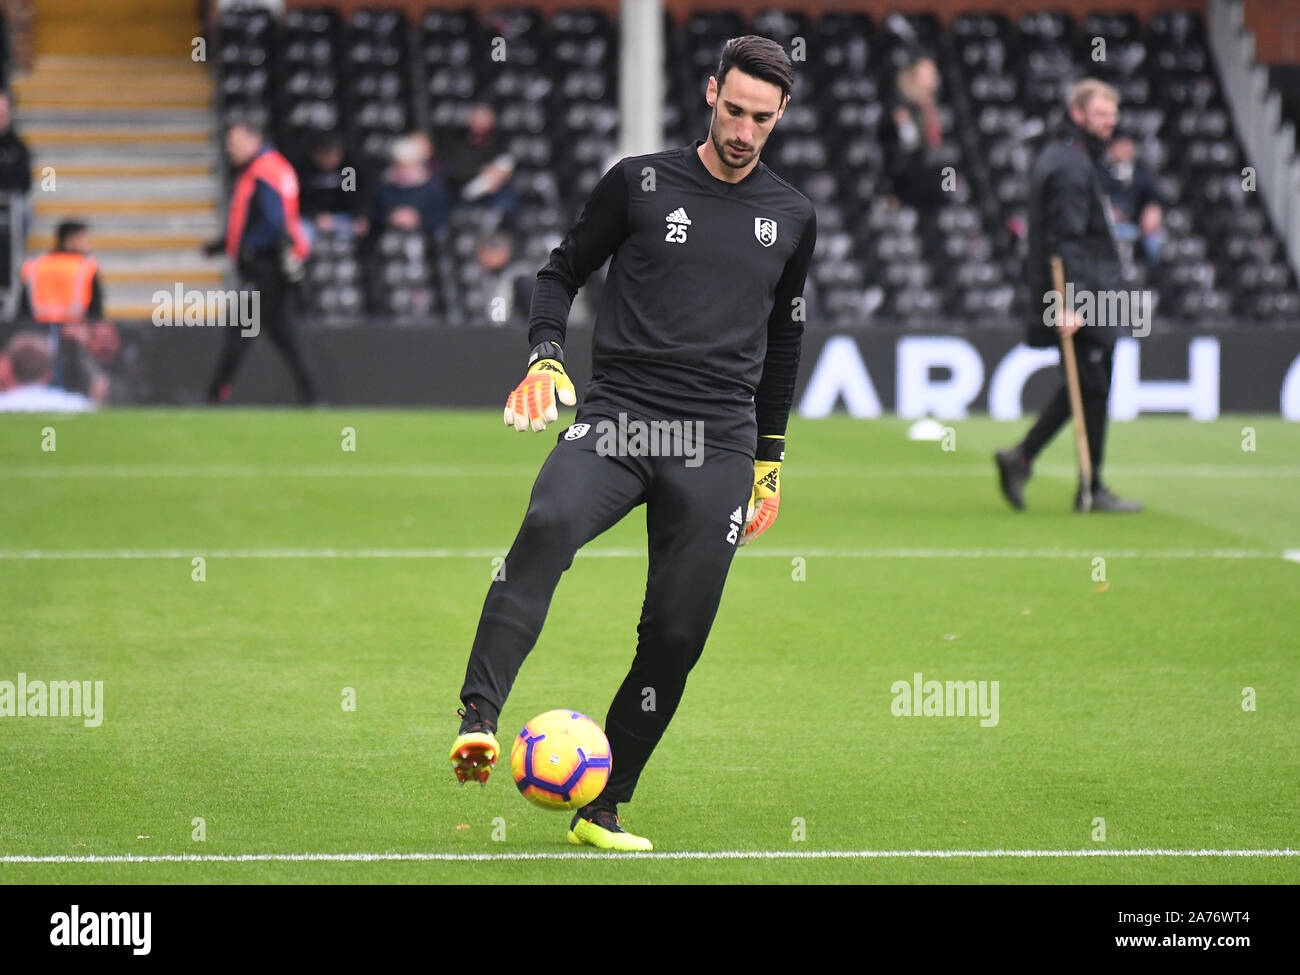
626,553
682,855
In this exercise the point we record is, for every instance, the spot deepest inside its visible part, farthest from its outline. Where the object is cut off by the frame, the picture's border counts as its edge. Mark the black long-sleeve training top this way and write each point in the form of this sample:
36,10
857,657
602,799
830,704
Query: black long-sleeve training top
702,313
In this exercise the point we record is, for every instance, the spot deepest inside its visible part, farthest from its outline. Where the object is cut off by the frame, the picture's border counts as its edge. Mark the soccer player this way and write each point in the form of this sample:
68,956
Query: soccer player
700,323
1069,217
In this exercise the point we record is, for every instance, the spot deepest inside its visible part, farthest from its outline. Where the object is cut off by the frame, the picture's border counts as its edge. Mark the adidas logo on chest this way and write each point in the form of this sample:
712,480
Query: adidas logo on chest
677,222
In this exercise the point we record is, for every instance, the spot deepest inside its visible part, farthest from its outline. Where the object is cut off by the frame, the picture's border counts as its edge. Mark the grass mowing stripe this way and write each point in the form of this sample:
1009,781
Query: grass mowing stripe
680,855
982,471
626,553
239,470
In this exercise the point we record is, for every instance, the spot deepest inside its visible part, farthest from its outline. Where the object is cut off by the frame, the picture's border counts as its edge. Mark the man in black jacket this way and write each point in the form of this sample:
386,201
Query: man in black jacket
1068,218
15,160
15,178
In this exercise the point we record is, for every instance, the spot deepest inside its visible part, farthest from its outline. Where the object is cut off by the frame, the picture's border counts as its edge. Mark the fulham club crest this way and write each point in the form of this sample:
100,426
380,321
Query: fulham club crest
765,230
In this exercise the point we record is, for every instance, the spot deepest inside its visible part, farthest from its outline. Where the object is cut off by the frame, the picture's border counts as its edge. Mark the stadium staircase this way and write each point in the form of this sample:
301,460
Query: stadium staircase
123,138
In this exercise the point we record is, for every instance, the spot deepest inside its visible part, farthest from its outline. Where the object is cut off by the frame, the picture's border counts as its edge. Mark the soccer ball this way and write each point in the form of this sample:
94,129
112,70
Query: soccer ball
560,760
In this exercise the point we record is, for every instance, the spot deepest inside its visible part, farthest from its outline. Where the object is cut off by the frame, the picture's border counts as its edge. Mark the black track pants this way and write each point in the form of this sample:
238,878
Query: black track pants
579,493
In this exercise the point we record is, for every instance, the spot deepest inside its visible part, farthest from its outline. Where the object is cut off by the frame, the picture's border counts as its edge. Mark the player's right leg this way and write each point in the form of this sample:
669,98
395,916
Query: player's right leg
579,493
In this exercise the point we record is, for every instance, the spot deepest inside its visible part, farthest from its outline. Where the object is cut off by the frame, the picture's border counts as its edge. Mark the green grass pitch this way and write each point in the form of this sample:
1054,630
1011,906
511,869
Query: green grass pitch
329,569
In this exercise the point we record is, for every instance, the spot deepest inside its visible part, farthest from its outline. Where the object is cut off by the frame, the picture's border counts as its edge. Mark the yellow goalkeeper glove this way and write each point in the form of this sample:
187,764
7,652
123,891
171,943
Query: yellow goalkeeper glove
765,501
532,404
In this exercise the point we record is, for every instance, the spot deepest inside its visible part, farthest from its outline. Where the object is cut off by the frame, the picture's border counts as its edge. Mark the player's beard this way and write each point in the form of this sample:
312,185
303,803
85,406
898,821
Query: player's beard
722,149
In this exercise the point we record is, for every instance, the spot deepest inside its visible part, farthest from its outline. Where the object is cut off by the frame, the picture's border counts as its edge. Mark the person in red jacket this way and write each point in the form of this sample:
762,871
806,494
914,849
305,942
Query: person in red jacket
266,241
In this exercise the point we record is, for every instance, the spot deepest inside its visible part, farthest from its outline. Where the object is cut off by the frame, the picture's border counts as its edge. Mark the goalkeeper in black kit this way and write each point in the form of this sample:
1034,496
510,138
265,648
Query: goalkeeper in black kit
700,326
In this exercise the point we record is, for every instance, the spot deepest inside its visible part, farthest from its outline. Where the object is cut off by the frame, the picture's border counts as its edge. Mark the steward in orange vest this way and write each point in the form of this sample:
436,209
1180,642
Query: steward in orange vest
62,287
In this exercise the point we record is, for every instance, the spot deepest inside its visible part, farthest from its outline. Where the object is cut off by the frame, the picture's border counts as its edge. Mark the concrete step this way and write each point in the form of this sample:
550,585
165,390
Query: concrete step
162,277
86,69
123,169
126,154
56,204
109,241
55,92
141,292
141,142
143,35
76,190
154,260
135,301
118,312
207,225
100,64
197,101
136,79
90,8
151,119
150,125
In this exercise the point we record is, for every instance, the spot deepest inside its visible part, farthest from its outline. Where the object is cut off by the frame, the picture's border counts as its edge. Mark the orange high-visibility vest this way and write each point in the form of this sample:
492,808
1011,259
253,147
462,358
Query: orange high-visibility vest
60,285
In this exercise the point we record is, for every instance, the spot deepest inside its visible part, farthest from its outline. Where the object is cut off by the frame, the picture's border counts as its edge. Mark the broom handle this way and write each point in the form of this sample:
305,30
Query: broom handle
1072,382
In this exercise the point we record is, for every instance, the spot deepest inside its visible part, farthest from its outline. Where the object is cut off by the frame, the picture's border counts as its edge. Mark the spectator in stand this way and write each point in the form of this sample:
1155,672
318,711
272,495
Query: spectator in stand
499,289
61,291
26,368
15,160
479,165
330,201
1137,207
912,136
411,195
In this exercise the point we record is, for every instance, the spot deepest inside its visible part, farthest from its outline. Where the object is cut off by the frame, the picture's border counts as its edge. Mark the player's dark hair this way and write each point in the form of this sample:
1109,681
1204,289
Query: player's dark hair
758,56
66,231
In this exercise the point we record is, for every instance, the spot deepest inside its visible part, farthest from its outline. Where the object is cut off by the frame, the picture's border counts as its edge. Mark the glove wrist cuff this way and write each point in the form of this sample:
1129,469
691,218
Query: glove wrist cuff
770,449
546,350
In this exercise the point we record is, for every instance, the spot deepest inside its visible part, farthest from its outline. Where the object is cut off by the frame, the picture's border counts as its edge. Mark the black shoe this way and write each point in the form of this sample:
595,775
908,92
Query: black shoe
1104,500
602,812
1013,471
472,722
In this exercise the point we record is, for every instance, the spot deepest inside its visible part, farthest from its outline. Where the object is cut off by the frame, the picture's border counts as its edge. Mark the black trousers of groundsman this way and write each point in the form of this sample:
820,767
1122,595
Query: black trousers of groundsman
1095,359
580,492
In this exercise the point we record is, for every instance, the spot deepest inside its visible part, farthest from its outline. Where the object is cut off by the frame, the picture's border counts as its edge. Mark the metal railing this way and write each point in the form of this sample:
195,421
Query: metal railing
1270,143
